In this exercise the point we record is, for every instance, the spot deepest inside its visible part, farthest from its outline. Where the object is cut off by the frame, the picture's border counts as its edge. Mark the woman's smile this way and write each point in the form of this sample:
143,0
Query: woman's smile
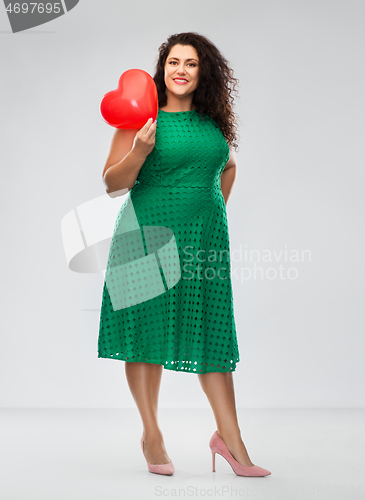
180,81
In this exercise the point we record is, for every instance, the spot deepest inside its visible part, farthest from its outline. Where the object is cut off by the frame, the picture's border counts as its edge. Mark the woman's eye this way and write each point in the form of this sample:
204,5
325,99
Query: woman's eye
189,64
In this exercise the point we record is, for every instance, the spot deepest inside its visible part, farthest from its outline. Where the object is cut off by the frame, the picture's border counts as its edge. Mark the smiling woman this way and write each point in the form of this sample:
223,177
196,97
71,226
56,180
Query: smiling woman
193,57
180,172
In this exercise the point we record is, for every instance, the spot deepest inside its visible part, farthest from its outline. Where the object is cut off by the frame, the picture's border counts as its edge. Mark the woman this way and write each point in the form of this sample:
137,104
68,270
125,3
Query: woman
179,170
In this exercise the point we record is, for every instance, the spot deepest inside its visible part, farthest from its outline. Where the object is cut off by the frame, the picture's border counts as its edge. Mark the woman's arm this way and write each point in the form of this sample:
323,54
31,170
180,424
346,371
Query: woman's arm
228,175
128,151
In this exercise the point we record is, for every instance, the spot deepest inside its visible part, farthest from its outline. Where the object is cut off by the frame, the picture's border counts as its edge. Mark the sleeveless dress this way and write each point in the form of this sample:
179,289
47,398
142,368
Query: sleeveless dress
167,295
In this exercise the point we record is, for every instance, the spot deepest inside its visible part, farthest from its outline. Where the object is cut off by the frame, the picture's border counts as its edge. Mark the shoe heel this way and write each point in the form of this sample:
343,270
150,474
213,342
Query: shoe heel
213,460
217,445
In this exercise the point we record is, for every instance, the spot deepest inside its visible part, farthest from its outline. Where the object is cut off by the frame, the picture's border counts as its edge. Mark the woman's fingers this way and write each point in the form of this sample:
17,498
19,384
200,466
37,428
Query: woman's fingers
148,129
144,140
146,126
151,131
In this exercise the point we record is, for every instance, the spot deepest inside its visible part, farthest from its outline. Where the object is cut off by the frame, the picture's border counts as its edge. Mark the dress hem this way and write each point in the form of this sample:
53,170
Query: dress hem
166,366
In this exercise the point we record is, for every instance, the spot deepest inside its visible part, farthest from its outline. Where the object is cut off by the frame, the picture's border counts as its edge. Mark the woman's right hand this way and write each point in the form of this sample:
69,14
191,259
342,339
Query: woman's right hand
144,140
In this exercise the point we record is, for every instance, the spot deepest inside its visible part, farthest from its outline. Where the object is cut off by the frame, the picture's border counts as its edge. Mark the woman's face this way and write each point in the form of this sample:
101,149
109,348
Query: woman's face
182,70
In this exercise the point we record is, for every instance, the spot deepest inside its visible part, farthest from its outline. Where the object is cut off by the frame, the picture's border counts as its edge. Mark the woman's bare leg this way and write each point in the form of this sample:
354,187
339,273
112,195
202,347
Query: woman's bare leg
144,383
219,389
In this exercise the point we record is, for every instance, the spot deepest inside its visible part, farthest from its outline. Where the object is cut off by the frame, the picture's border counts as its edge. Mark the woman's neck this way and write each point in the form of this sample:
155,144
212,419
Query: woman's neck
174,104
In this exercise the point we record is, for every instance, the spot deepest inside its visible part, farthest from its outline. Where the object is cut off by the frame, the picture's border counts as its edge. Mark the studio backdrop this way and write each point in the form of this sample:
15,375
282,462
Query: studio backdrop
295,211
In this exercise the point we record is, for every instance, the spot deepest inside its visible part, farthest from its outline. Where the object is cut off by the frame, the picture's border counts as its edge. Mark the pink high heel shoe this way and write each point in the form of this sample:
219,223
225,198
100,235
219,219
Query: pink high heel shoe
217,445
167,469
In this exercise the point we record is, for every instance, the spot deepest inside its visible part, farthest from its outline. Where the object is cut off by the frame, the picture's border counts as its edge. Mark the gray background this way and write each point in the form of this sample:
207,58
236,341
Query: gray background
299,186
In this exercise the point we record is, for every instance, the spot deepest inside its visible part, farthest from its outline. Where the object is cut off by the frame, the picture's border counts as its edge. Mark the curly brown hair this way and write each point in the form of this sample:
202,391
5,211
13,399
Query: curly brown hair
214,73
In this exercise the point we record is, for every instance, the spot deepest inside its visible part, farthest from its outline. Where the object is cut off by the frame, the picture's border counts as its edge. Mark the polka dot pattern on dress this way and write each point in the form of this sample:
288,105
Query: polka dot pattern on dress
180,316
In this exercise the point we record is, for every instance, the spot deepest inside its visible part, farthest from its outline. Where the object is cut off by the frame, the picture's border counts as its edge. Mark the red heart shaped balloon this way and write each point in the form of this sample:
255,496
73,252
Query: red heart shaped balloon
132,103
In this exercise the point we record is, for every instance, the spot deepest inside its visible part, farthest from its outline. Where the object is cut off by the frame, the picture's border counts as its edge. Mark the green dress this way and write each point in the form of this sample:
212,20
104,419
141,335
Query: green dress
167,295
